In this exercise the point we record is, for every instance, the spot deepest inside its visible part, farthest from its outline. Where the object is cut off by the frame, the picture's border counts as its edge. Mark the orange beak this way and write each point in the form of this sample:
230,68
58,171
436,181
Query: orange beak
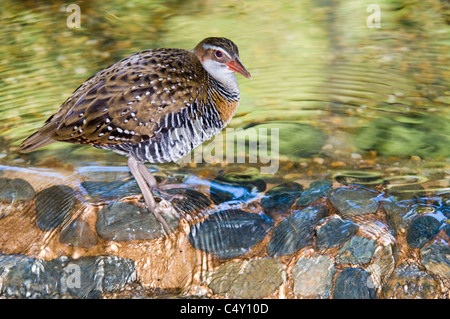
236,66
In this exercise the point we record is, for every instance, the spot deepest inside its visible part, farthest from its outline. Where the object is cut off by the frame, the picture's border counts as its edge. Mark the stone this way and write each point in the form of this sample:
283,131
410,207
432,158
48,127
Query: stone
54,205
192,201
111,190
436,259
422,230
236,187
358,250
408,282
84,277
229,233
16,189
124,222
78,234
313,277
335,232
279,199
257,278
354,283
315,190
296,231
350,202
399,213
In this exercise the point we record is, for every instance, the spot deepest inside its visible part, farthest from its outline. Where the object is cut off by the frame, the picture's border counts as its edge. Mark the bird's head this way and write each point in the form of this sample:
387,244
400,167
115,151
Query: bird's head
220,58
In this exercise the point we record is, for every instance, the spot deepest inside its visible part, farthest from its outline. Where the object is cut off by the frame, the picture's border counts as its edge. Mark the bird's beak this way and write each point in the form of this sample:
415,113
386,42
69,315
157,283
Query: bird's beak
236,66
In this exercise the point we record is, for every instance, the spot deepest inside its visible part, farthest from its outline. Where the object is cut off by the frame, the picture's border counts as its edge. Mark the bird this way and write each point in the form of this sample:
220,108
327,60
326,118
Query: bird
153,106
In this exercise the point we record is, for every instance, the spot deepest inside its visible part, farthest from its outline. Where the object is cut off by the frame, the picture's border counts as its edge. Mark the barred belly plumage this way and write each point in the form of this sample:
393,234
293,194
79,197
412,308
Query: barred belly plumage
179,134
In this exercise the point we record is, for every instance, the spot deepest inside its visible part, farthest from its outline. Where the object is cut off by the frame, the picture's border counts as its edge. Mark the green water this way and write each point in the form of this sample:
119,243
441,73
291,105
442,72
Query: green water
313,62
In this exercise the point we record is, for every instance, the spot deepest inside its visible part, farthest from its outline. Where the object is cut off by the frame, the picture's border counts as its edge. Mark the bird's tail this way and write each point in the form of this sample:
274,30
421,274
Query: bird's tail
35,141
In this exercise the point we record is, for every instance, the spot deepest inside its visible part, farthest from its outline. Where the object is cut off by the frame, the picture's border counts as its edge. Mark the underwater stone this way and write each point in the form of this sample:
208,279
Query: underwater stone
279,199
296,231
421,230
358,250
313,277
408,282
354,283
111,190
229,233
256,278
350,202
17,189
84,277
314,191
436,259
54,205
122,222
335,232
235,186
78,234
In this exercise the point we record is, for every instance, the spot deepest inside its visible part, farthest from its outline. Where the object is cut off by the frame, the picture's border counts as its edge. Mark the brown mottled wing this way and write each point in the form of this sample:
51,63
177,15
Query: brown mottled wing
127,101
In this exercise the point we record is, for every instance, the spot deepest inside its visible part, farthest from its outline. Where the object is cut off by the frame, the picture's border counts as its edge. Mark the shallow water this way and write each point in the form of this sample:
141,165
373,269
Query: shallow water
359,158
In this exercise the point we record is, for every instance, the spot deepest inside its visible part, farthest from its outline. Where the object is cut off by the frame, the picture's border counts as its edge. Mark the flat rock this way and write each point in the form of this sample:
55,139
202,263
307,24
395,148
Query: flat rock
296,231
54,205
279,199
123,222
436,259
314,191
111,190
313,277
422,230
408,282
16,189
84,277
335,232
350,202
358,250
229,233
78,234
354,283
256,278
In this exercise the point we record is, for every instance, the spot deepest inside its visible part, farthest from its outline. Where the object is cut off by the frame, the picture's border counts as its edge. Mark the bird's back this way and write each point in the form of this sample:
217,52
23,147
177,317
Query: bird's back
156,105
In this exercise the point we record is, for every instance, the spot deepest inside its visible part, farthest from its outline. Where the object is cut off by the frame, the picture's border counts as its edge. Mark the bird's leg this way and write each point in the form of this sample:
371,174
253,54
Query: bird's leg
145,184
153,184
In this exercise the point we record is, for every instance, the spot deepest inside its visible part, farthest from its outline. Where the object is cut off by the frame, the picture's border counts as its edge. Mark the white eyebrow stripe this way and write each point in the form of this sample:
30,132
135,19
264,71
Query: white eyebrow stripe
209,46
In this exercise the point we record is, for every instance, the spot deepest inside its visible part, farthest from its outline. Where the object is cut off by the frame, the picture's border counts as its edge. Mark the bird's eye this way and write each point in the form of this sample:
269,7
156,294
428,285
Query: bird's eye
219,54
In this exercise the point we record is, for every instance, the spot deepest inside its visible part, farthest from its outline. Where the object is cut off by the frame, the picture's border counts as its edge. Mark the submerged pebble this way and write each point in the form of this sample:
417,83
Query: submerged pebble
315,190
122,222
421,230
111,190
256,278
54,205
296,231
354,283
16,189
358,250
313,277
436,259
335,232
84,277
235,187
350,202
229,233
78,234
279,199
408,282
